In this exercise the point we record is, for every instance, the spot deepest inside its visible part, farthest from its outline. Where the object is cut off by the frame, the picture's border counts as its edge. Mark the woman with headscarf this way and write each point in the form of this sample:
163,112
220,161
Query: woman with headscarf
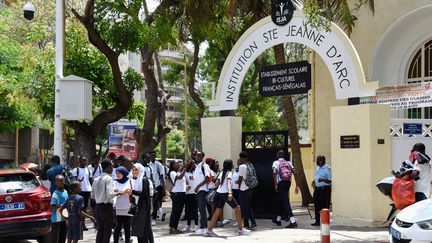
122,204
141,223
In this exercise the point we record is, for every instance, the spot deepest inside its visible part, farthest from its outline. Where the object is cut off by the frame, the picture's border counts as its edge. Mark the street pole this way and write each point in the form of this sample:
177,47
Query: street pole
58,126
186,112
16,145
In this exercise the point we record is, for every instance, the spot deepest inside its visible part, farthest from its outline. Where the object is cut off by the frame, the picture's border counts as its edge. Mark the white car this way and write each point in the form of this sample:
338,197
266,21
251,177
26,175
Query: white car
413,224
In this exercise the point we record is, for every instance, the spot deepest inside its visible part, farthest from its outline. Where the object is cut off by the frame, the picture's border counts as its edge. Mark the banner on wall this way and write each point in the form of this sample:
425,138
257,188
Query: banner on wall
121,139
402,97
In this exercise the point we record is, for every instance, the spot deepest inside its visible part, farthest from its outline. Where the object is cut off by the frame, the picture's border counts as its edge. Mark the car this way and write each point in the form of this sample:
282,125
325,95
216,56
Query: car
413,224
24,206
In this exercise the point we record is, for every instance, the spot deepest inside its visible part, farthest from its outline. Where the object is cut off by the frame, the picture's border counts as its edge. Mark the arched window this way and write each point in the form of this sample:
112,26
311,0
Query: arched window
420,70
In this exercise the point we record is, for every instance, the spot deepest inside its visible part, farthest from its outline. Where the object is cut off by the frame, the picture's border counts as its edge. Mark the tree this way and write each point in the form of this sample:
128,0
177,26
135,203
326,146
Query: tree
17,107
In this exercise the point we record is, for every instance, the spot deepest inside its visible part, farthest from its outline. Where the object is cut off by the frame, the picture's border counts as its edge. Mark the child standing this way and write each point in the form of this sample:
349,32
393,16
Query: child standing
59,196
75,205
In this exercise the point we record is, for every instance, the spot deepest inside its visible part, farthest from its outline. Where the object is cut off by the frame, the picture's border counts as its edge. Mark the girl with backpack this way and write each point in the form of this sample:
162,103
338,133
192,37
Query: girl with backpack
224,195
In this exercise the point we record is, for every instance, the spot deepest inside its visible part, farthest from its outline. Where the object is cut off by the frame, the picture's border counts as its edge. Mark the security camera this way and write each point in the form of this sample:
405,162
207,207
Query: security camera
29,10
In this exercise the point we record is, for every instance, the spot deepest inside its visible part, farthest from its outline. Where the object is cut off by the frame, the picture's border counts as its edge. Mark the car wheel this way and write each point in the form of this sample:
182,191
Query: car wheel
44,239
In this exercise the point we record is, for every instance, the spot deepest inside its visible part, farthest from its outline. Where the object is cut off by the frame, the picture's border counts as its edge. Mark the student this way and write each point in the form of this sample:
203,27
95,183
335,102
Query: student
158,179
178,194
224,195
245,194
322,190
104,192
235,186
75,208
282,178
141,223
59,197
122,204
85,177
191,206
202,177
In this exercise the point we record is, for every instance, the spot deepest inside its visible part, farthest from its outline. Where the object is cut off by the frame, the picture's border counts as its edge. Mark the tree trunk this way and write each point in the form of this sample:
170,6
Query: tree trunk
84,141
195,96
163,143
289,113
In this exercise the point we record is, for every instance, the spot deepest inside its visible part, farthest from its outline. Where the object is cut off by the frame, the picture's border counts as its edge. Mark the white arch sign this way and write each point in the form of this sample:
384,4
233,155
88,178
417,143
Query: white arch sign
334,47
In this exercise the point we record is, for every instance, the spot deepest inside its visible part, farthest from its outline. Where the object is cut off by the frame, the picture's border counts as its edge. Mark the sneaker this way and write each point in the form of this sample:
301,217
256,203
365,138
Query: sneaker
196,228
291,225
186,229
200,232
315,224
278,223
163,216
225,221
219,224
253,226
235,224
243,231
153,223
210,233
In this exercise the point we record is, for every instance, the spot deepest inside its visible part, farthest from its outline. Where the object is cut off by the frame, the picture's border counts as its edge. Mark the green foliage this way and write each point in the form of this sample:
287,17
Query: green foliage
120,25
175,144
17,108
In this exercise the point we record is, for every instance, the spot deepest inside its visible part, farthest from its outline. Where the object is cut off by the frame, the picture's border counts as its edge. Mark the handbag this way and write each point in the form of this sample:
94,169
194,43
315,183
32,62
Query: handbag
210,197
133,209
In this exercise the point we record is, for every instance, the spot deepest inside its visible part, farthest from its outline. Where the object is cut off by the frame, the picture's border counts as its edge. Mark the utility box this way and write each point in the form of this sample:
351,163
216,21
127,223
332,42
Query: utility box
75,98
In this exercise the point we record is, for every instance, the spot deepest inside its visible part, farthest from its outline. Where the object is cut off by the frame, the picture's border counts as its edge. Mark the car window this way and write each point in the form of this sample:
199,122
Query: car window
18,183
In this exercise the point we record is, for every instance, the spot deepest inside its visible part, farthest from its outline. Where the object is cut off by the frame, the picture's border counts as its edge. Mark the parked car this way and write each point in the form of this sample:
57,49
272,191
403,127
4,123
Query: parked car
413,224
24,206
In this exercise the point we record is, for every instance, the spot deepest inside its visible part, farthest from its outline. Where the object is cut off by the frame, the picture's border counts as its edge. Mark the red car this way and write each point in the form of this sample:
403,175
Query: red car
24,206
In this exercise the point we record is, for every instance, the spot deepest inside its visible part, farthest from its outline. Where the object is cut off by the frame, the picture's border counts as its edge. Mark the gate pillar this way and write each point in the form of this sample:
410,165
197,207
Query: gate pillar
361,156
221,139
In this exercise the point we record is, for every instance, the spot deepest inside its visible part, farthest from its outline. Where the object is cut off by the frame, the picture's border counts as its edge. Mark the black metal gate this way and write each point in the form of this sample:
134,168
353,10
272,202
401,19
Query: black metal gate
262,148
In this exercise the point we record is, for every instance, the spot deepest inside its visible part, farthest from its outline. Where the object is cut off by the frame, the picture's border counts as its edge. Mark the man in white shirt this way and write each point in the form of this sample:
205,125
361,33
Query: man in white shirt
421,170
245,194
85,177
104,192
158,179
95,168
201,178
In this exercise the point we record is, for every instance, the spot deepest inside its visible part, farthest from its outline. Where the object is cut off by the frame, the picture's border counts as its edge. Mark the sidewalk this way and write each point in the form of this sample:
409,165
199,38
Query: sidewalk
265,232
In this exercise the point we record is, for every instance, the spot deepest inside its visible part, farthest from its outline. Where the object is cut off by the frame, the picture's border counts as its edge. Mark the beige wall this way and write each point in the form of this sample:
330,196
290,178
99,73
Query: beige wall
368,31
309,170
355,171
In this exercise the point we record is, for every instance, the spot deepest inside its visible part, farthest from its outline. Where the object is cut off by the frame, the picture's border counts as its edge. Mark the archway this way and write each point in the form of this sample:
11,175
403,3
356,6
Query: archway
334,47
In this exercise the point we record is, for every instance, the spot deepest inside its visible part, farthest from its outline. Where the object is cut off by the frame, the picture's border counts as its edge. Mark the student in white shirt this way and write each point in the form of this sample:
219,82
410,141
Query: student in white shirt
95,168
158,179
245,194
202,177
224,195
191,206
85,177
178,194
122,204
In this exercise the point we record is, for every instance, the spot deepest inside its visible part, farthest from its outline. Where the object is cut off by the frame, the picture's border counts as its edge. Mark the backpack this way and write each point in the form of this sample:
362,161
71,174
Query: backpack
285,170
251,178
67,174
210,174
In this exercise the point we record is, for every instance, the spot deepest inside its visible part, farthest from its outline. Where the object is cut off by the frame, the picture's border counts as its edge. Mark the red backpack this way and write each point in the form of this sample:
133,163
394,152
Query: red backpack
285,170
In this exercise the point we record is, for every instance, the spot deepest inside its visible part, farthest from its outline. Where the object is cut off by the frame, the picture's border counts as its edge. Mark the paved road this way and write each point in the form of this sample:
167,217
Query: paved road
266,231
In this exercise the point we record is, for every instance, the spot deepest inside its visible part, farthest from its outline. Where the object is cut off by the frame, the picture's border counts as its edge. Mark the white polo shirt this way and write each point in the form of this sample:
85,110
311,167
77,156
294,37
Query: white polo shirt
199,176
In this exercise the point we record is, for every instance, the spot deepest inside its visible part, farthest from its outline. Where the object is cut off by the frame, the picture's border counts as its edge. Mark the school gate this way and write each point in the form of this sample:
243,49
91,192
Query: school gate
261,148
